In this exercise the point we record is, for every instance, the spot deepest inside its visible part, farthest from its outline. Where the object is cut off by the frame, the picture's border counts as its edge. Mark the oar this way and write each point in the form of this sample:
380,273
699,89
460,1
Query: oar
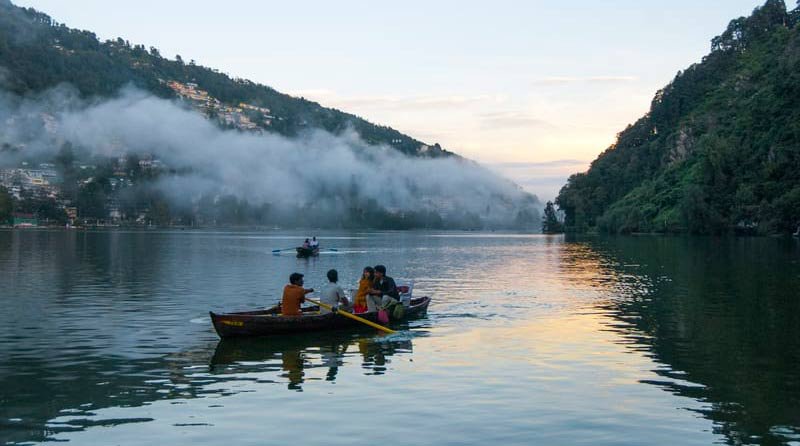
330,249
284,249
353,316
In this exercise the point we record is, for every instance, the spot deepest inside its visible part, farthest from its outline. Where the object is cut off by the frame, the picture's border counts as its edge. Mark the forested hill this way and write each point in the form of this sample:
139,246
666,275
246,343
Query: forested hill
719,151
37,53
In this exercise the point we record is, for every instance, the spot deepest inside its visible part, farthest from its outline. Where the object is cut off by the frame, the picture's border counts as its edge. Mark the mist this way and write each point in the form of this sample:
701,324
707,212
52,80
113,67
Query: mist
316,169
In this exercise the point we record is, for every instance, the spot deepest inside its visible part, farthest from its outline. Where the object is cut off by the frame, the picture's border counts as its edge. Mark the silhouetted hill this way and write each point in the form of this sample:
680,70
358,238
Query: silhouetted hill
719,150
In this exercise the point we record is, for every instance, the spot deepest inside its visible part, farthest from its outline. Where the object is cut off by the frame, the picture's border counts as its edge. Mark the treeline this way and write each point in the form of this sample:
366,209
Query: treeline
719,151
148,206
37,53
120,191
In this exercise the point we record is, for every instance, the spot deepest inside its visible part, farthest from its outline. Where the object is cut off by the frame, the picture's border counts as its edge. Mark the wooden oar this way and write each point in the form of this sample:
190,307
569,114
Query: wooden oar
353,316
284,249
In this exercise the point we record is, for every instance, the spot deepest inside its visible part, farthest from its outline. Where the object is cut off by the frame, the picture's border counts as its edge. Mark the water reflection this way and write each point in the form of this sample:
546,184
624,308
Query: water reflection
80,391
533,339
293,356
722,318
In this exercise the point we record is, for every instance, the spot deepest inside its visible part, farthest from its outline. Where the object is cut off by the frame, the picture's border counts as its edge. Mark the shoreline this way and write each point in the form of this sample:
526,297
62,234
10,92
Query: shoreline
254,229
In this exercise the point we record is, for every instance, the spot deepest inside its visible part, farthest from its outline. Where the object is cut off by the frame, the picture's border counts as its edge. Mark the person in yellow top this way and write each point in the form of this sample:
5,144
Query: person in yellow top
294,295
364,285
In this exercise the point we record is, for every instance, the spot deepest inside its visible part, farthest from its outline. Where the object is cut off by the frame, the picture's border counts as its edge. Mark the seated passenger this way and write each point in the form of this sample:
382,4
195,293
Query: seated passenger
364,285
384,288
333,294
294,295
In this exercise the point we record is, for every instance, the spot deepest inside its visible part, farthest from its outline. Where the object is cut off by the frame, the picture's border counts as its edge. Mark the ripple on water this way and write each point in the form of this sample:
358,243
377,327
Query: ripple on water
530,339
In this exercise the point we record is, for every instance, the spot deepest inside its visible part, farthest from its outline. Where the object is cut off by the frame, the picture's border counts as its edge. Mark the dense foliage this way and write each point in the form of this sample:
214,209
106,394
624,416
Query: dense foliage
719,150
37,53
6,206
550,222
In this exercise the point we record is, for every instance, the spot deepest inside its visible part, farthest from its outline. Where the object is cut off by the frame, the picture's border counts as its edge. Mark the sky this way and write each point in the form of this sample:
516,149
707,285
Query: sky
532,89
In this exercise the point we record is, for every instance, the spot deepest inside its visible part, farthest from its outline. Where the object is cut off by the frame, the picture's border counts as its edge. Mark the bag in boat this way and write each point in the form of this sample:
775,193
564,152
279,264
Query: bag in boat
398,311
383,316
394,310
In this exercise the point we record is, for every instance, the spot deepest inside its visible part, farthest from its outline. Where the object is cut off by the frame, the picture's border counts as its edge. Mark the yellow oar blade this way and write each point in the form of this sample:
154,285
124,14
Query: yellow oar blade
353,316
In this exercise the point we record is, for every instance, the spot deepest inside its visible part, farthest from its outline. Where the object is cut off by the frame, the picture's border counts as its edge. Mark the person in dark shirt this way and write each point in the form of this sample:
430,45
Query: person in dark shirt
384,287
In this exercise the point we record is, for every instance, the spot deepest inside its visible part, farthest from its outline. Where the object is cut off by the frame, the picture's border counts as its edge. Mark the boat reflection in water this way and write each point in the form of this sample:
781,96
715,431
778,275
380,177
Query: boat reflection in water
293,357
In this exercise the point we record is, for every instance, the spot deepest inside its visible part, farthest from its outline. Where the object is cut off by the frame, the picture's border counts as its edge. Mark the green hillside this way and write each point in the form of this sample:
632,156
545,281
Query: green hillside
110,183
37,53
719,151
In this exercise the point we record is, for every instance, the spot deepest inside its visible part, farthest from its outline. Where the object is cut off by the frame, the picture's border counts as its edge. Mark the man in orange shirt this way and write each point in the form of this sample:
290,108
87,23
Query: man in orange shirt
294,295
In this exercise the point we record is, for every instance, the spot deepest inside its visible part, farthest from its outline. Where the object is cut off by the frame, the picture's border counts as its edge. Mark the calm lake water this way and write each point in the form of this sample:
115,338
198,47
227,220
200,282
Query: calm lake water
105,339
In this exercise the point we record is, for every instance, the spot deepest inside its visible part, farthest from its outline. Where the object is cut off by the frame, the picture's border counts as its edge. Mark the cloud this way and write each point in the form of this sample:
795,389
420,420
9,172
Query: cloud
316,169
543,178
523,172
312,93
511,119
612,79
5,76
389,102
565,80
565,163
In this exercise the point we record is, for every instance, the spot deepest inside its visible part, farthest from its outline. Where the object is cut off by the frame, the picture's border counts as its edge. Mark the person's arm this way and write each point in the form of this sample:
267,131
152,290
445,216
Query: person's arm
391,289
305,291
342,296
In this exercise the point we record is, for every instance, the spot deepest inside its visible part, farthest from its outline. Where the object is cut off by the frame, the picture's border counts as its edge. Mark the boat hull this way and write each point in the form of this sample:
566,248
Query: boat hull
307,252
270,322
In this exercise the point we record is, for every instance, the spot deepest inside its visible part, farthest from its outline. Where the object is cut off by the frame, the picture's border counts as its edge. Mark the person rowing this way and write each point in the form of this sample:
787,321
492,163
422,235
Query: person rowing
294,295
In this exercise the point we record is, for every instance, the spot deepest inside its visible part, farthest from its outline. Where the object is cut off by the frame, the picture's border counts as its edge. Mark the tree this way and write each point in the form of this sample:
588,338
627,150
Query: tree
92,199
550,222
48,211
526,219
132,166
6,205
160,212
65,162
718,149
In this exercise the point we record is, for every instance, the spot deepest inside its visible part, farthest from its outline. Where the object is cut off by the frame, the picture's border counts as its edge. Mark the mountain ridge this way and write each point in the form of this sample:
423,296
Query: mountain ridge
123,144
102,68
719,150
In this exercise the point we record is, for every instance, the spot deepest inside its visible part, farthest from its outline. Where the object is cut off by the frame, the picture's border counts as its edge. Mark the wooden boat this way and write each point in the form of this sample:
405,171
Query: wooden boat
270,322
307,252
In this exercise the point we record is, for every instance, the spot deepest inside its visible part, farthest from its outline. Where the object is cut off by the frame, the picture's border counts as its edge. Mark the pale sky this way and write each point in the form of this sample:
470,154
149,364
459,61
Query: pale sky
533,89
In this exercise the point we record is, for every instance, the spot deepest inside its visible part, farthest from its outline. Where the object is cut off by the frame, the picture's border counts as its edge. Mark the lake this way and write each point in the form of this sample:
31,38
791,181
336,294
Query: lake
530,339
